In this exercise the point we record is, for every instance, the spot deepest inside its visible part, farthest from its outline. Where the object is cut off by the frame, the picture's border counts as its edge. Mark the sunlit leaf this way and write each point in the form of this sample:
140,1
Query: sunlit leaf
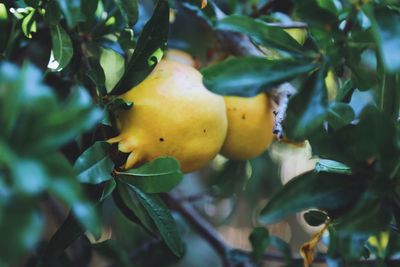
62,49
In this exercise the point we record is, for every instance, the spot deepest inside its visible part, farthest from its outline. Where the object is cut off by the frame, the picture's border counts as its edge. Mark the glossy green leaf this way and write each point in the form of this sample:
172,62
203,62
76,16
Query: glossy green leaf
261,32
94,165
259,239
148,51
28,24
307,109
72,11
326,191
332,166
228,77
163,219
159,175
20,229
62,49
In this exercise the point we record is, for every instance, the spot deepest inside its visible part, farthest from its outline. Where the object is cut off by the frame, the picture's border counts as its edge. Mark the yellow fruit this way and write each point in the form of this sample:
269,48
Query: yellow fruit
250,124
173,115
180,56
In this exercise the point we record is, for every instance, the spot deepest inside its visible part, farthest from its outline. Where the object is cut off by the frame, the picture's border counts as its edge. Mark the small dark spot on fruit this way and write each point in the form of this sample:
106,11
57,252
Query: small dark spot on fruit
234,108
161,139
243,116
204,130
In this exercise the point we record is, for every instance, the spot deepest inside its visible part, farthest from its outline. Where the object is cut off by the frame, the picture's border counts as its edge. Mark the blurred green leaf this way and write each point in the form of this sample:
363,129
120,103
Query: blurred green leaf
94,165
386,29
72,11
20,229
228,77
113,251
315,217
339,115
208,13
269,36
62,49
5,27
163,219
259,239
129,9
89,9
150,45
307,109
159,175
53,13
326,191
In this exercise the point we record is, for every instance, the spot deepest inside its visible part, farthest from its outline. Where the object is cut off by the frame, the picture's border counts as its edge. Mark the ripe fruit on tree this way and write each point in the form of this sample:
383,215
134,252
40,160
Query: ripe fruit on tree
180,56
173,115
250,125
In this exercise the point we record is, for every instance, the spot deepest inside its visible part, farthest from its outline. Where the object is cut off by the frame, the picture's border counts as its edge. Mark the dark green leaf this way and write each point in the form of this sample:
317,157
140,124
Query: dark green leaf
94,165
259,239
53,13
228,77
269,36
21,226
159,175
148,51
96,75
163,219
89,9
130,206
312,189
315,217
307,109
129,10
72,11
208,14
113,251
339,115
62,49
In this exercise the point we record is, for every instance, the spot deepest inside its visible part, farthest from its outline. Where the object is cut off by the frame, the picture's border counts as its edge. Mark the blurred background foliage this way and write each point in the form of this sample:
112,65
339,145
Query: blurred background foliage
62,203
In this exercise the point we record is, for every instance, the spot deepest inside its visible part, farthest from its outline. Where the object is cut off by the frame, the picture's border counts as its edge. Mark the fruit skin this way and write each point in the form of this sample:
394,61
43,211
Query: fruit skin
250,125
180,56
173,115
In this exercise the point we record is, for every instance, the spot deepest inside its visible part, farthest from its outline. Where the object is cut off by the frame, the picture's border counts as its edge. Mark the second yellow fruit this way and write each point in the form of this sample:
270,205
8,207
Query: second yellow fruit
250,125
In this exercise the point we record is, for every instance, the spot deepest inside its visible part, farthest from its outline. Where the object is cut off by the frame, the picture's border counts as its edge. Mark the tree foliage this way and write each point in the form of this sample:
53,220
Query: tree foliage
63,64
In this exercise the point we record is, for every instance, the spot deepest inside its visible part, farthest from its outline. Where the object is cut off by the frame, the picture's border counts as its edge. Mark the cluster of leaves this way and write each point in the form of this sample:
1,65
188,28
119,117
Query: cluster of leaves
352,124
54,149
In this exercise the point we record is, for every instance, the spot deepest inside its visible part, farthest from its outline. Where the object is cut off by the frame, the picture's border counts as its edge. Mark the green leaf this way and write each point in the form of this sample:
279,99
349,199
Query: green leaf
53,13
260,31
259,239
307,109
62,49
152,41
129,10
94,165
12,92
113,65
89,9
322,190
5,27
21,228
339,115
315,217
163,219
131,207
113,251
159,175
327,165
72,11
386,29
228,77
28,24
